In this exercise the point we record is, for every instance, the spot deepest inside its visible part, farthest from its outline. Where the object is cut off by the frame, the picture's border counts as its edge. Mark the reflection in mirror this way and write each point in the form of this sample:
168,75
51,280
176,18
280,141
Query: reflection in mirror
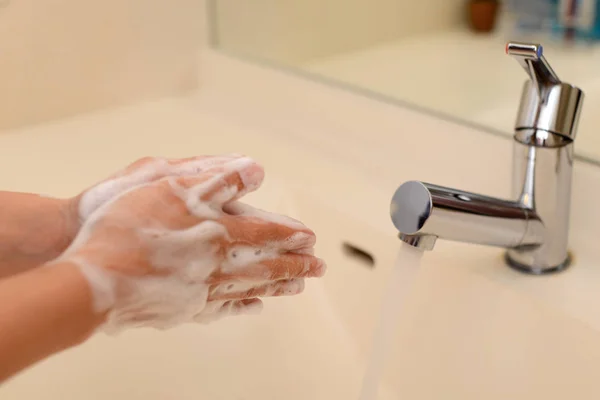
443,56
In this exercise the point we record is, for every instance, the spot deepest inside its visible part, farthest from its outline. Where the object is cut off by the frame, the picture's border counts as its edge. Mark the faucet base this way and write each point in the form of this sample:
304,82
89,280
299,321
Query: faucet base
536,271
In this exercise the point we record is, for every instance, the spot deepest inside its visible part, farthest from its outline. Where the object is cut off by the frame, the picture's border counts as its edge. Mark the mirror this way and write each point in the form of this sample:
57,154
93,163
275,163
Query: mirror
445,57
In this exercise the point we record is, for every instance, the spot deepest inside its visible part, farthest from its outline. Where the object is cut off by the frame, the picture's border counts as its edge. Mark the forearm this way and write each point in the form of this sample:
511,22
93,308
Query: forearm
42,312
33,230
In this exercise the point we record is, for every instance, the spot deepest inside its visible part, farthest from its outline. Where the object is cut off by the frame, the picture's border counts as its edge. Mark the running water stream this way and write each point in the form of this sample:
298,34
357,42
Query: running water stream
399,287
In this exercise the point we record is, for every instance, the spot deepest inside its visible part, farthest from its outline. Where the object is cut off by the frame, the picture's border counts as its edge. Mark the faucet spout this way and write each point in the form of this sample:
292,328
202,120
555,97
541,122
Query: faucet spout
533,228
423,212
422,242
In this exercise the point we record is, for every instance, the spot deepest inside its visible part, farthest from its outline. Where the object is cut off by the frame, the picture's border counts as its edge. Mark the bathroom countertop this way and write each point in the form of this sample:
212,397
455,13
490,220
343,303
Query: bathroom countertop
465,76
349,154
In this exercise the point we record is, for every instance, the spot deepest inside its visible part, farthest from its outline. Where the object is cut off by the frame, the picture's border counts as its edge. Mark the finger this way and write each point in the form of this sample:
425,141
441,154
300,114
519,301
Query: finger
219,309
179,166
305,250
261,233
283,267
198,165
289,266
240,177
205,194
238,307
147,170
228,182
237,291
205,161
237,208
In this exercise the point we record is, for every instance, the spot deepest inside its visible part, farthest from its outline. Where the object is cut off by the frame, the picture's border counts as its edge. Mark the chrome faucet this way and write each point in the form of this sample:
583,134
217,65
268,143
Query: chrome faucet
534,226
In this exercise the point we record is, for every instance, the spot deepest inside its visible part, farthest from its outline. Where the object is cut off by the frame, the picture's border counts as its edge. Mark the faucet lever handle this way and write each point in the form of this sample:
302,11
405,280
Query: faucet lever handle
547,104
531,57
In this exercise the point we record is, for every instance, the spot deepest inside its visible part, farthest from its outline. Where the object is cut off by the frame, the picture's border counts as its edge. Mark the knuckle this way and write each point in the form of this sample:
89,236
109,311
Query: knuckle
166,183
179,180
144,160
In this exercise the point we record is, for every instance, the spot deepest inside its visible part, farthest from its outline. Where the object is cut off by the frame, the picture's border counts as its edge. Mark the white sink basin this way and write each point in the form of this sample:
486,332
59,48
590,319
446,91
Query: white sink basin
474,328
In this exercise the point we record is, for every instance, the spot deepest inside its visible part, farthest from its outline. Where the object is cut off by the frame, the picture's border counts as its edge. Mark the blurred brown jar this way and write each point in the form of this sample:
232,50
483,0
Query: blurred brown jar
482,14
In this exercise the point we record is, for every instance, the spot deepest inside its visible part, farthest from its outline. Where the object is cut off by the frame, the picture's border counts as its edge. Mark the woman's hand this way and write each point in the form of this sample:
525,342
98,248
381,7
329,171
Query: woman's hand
140,172
162,243
36,229
168,243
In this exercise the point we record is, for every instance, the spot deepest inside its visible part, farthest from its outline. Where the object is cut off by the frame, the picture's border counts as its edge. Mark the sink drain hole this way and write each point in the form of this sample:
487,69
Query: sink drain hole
356,252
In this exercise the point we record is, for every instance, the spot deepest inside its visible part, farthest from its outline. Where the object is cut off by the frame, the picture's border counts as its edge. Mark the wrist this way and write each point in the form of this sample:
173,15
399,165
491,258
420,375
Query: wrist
71,223
35,230
76,284
53,232
44,311
101,283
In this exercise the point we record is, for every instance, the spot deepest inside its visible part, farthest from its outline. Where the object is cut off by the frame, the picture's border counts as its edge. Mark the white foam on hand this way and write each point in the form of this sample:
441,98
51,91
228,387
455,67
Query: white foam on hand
182,248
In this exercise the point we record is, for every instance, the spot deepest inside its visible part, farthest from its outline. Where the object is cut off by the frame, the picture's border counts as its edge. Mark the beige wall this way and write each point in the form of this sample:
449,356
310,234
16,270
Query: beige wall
292,31
61,57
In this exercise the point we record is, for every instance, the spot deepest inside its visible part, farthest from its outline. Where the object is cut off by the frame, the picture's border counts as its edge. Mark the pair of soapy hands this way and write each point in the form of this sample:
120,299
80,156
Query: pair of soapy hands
166,242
